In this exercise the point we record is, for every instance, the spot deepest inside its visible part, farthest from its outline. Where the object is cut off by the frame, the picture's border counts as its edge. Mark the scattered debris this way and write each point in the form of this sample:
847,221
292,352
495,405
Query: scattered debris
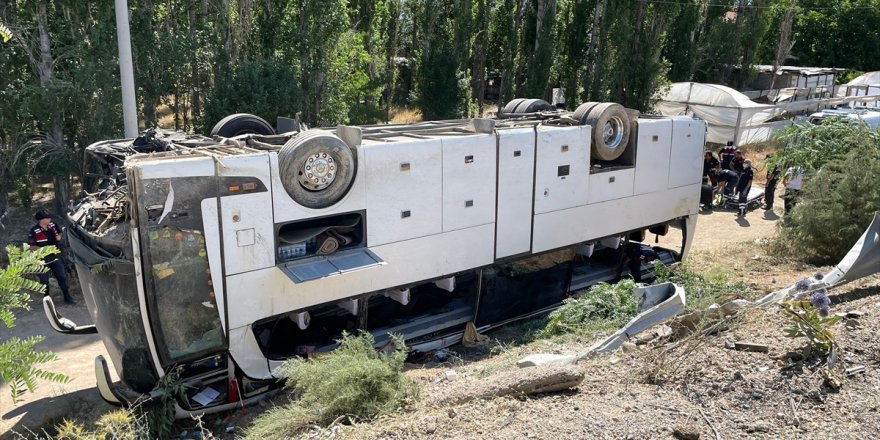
543,379
441,355
852,371
686,432
832,378
533,360
709,422
748,346
450,375
657,304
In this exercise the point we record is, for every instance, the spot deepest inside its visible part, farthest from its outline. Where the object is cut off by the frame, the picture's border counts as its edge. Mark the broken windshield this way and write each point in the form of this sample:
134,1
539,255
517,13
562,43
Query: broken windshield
177,275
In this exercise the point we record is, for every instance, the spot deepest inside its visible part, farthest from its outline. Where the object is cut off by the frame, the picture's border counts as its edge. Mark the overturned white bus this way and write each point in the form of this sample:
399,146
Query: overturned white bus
217,258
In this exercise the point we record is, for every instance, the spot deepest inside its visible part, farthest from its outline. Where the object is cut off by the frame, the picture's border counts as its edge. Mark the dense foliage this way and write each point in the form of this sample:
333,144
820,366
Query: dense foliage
352,61
18,358
840,158
611,304
353,381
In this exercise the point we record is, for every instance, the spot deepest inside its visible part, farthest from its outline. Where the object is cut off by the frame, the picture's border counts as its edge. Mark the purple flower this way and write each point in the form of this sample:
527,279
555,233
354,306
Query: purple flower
802,284
821,301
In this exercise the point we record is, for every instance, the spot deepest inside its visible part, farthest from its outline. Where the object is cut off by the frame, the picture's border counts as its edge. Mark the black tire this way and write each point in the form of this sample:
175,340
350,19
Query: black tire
580,113
242,123
532,106
337,157
611,130
510,107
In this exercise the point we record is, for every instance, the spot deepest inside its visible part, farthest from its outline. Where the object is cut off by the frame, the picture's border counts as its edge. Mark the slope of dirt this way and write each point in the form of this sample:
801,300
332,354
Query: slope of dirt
739,394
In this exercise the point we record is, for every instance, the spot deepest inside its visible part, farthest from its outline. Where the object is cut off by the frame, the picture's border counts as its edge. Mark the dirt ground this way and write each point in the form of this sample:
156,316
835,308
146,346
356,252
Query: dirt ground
738,394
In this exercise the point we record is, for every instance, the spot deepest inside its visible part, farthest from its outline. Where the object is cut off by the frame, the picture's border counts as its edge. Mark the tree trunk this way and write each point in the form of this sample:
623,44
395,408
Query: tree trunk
195,82
478,64
55,135
599,59
783,45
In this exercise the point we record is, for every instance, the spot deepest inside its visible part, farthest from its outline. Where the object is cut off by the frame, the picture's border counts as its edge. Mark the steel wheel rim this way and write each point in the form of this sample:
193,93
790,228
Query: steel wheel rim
612,133
318,172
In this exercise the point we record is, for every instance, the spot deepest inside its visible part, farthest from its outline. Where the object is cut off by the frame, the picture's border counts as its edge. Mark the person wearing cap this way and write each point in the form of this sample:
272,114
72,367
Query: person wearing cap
726,154
46,233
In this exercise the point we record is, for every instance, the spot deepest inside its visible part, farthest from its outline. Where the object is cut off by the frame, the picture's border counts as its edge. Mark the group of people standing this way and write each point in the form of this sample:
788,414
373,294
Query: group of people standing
730,173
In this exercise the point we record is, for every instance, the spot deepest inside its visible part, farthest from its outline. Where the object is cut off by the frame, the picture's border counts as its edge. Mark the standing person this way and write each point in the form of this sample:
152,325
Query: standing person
46,233
710,162
727,153
793,181
744,184
772,180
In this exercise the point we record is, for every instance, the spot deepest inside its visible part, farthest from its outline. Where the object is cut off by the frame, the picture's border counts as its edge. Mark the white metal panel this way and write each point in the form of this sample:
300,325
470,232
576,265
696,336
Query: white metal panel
404,190
652,155
468,181
247,354
688,143
516,167
555,186
287,210
152,168
610,185
248,231
211,225
268,292
596,220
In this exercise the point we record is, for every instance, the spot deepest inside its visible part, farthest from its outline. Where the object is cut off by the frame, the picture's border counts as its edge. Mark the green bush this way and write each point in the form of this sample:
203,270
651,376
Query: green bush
604,305
812,146
837,203
354,381
702,289
18,359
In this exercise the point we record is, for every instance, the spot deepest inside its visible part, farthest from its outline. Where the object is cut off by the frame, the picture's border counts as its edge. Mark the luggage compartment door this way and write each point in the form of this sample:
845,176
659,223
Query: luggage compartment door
404,190
516,174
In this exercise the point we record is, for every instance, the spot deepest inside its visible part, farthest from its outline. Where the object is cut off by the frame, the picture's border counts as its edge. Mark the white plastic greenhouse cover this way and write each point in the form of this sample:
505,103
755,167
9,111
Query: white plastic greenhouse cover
731,116
866,84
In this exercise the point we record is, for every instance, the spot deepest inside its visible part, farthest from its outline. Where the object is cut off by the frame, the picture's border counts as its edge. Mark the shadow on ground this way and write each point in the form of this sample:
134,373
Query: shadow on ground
33,417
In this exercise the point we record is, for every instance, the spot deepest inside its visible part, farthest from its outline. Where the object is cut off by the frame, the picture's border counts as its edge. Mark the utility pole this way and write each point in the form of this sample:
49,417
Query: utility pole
126,70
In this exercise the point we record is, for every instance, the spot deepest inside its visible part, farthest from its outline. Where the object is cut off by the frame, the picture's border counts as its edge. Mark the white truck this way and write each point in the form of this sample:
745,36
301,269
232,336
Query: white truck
217,258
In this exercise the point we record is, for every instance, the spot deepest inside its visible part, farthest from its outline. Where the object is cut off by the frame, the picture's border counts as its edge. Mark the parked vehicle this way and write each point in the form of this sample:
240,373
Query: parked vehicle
217,258
869,117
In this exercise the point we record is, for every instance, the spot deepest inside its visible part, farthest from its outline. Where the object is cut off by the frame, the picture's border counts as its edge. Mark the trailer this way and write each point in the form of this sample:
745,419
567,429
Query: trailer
216,258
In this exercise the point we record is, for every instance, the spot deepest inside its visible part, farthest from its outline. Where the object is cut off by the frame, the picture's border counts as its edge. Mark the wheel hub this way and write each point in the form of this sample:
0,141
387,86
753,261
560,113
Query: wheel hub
318,172
612,133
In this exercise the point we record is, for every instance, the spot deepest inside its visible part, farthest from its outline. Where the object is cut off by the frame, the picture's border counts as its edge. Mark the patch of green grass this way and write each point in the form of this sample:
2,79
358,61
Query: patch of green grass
701,288
354,382
602,307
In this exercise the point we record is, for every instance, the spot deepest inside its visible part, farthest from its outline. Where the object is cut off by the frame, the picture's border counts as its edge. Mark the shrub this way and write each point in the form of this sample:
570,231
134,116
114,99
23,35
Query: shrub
604,305
18,359
354,380
812,146
809,319
834,208
702,289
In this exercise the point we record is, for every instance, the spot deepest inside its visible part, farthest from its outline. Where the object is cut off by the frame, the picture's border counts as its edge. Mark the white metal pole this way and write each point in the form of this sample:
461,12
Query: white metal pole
126,70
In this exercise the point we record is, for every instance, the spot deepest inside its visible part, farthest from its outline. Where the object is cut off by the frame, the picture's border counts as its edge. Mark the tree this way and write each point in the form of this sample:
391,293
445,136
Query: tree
18,359
841,158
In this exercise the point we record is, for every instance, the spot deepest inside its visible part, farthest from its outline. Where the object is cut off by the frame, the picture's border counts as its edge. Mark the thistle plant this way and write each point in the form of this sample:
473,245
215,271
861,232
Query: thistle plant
810,319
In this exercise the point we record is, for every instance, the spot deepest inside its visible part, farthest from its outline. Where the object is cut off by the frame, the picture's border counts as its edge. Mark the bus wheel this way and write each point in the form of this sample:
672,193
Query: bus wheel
242,123
611,129
316,168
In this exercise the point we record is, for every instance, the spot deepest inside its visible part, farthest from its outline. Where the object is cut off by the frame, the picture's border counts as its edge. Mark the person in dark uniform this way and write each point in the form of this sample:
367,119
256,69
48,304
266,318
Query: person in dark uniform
46,233
710,162
744,184
634,254
727,180
772,180
726,154
707,195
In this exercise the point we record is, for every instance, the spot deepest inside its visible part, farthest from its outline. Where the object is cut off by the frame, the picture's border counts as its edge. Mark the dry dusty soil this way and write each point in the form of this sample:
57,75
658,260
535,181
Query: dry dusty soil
685,388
